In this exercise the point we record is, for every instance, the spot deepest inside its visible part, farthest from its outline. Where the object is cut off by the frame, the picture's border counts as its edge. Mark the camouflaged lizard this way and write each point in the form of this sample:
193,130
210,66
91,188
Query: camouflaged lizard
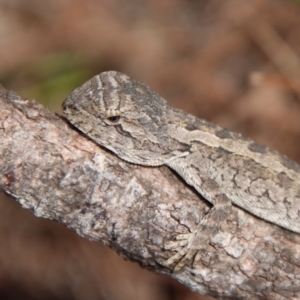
134,122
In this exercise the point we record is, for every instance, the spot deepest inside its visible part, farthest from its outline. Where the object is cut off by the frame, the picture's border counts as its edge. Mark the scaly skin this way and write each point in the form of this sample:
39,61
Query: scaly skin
134,122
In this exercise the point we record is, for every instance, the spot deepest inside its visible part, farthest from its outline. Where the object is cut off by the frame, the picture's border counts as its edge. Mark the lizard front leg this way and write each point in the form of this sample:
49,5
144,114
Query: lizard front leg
194,244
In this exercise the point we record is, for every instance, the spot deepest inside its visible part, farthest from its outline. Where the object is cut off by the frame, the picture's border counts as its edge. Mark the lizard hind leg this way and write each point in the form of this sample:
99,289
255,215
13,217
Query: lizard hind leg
195,243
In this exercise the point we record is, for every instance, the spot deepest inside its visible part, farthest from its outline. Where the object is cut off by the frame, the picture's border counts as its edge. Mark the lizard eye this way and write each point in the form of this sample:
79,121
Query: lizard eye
112,120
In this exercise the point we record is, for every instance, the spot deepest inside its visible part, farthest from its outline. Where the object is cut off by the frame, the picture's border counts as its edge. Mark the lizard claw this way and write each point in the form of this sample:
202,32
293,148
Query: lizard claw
184,236
185,255
185,259
181,241
176,257
176,244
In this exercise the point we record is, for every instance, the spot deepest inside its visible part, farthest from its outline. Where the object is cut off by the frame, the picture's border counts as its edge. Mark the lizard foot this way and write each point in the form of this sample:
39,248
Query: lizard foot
186,254
194,244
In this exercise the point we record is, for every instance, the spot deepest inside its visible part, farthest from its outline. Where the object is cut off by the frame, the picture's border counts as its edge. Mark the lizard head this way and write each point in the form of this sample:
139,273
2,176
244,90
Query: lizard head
126,117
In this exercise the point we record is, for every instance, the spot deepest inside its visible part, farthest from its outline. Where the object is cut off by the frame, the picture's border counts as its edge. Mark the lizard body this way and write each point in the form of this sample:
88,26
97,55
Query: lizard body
134,122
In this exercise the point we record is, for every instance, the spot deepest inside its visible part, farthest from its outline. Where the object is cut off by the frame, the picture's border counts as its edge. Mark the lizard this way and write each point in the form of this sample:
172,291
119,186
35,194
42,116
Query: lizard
135,123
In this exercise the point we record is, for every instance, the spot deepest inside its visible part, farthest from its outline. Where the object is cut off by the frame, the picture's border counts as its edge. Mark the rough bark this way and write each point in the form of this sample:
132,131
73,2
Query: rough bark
57,173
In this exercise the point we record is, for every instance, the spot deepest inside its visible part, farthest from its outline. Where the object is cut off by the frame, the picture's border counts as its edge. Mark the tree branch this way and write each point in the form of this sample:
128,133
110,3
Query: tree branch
61,175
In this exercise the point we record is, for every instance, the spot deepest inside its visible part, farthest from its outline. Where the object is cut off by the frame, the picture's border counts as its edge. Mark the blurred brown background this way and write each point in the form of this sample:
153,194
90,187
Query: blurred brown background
233,62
